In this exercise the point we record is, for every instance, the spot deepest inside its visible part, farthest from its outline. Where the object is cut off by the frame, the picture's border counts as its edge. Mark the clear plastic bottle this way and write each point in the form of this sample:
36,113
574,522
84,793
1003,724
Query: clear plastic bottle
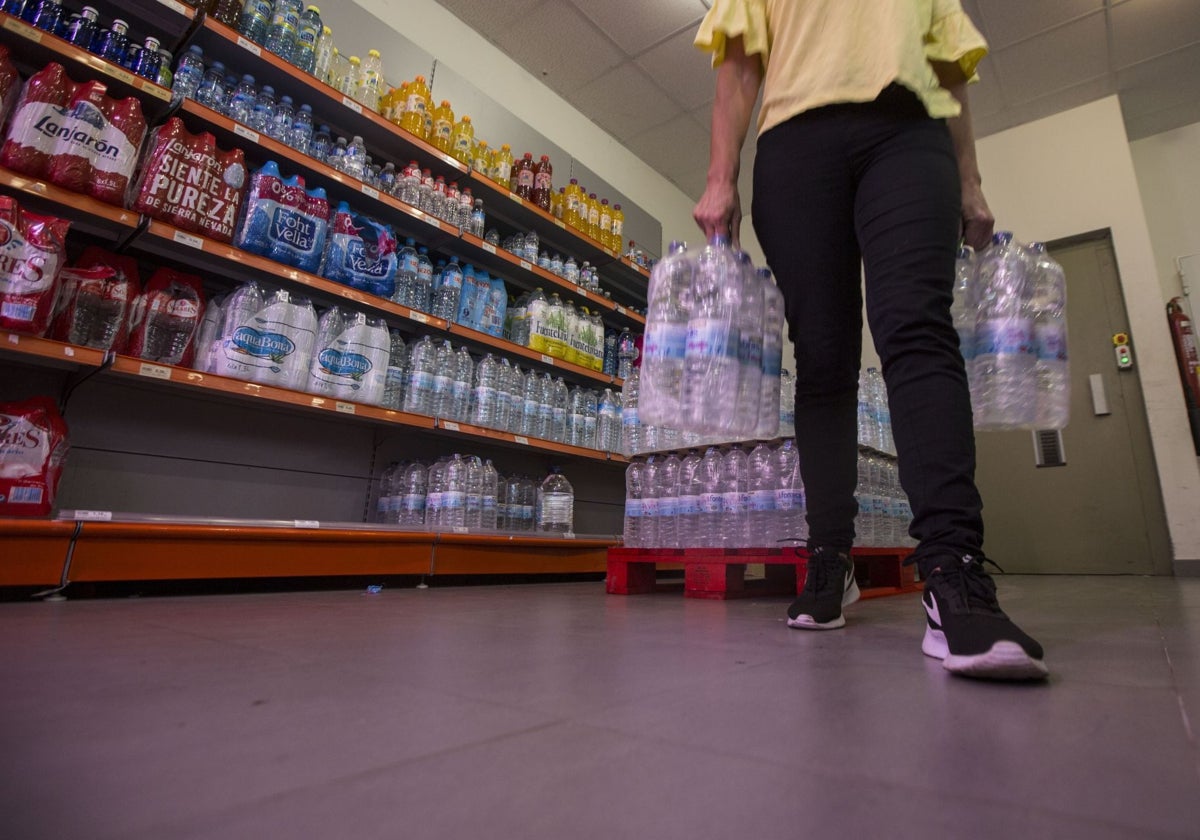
608,430
406,273
735,500
322,144
650,513
627,354
387,505
460,385
489,495
443,377
667,490
503,414
559,404
484,396
241,104
285,22
761,482
711,366
422,289
545,426
634,489
393,390
556,504
308,36
300,134
211,92
772,361
631,427
436,483
449,290
1005,361
370,83
323,60
789,495
262,115
864,524
411,486
665,344
282,121
189,74
787,404
255,19
454,495
473,519
1048,301
962,309
750,350
711,519
689,498
478,218
356,158
418,393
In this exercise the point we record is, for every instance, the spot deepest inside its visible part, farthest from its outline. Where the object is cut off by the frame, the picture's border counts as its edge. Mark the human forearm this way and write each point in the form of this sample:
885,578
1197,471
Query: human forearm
978,221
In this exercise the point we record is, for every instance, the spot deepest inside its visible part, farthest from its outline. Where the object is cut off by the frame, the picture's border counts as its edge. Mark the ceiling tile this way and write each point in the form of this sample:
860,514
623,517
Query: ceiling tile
987,95
681,70
636,24
1055,60
487,17
677,146
1160,121
564,50
624,102
1045,106
1160,83
1006,22
1144,29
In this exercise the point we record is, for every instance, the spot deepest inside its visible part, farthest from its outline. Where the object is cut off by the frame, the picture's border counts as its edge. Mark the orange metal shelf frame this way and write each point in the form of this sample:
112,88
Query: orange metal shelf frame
33,552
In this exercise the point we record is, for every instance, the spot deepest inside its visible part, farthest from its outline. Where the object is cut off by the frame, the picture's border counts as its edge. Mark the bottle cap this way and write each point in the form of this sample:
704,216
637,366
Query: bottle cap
466,119
529,156
545,157
616,206
372,53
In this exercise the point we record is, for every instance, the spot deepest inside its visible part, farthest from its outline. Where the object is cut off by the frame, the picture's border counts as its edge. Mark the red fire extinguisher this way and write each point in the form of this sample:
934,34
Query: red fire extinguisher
1188,356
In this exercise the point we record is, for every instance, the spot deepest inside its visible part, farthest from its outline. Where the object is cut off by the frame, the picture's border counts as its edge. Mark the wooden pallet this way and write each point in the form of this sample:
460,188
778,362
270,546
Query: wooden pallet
718,574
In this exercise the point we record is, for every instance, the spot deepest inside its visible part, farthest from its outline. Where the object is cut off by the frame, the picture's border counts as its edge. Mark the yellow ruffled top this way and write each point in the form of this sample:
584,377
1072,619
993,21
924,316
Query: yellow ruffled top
819,52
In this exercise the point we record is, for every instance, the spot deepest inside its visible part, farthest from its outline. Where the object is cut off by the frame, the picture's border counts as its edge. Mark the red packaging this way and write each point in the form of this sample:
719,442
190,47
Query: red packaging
33,446
10,84
97,143
28,147
188,182
31,259
97,297
166,318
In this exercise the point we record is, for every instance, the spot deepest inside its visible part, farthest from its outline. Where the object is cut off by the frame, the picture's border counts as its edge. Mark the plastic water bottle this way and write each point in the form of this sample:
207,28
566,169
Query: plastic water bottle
285,23
750,350
300,134
189,73
478,218
650,513
575,417
422,287
787,404
453,515
962,309
418,393
488,496
255,19
411,487
308,34
666,335
627,354
322,144
608,430
772,361
242,103
634,490
631,426
387,505
211,91
667,491
735,496
356,158
262,115
789,494
711,366
435,482
282,120
460,385
406,273
882,411
473,517
393,388
710,523
449,290
1005,360
762,484
864,524
877,495
484,395
1048,300
443,376
324,57
556,504
559,404
688,501
502,405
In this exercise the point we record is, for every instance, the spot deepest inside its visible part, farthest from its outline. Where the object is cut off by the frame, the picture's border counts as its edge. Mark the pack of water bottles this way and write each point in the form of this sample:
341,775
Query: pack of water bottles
883,510
465,494
284,221
874,415
558,329
738,498
361,252
1010,311
712,354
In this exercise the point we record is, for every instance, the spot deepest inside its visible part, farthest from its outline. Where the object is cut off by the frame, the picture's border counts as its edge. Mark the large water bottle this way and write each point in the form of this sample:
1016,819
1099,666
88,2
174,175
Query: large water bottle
410,486
460,385
762,483
1005,360
308,34
649,523
665,343
881,410
575,417
443,378
634,491
750,350
545,418
667,490
211,92
503,412
393,387
556,504
867,427
285,22
790,524
474,515
531,390
189,73
688,505
255,19
627,354
241,103
322,144
484,394
406,273
262,115
387,506
559,404
962,308
418,393
735,497
449,290
864,524
877,496
608,430
436,484
489,495
710,524
787,404
454,495
772,361
422,289
282,121
171,321
1048,300
711,367
631,427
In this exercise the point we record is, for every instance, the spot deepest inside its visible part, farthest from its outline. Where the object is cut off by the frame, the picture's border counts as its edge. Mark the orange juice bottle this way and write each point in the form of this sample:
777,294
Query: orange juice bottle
443,126
481,161
463,141
618,228
605,236
571,204
415,106
593,216
399,99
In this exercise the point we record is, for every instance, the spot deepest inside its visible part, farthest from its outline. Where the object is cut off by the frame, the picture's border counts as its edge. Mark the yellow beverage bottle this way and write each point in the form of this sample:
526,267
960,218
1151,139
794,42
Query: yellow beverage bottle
482,158
557,200
353,74
605,236
443,126
399,99
571,204
463,140
618,228
593,216
502,170
415,104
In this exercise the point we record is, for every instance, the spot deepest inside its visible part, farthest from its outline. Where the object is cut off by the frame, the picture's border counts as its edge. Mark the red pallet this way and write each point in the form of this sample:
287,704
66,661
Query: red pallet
717,574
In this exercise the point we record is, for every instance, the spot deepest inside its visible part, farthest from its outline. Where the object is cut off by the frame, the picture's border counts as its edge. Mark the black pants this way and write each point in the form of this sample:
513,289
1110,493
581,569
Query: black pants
875,183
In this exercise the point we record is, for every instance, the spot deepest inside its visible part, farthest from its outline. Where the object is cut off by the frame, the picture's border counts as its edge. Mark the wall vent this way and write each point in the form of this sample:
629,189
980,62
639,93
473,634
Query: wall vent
1048,448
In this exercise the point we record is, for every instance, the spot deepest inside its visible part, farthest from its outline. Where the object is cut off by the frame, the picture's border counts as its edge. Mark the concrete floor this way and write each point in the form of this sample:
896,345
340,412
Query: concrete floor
555,711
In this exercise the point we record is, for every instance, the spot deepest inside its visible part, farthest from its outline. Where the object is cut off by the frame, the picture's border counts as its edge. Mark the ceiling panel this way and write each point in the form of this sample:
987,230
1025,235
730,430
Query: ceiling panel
636,25
683,71
624,101
1008,21
564,49
1148,125
488,17
986,95
1054,61
1145,29
1160,83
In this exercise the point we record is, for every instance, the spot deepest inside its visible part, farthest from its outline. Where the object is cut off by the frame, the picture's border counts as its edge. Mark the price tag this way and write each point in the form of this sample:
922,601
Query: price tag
69,352
521,439
568,535
489,247
174,6
620,309
345,407
154,371
547,360
93,516
120,75
420,317
525,265
451,426
14,339
356,107
370,192
582,292
156,90
516,198
418,214
249,46
308,524
461,529
241,131
559,222
184,238
25,31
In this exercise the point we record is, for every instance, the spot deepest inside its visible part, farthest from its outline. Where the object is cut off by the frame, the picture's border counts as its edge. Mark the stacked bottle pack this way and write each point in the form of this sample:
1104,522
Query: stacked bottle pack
883,511
1010,310
461,493
874,416
738,498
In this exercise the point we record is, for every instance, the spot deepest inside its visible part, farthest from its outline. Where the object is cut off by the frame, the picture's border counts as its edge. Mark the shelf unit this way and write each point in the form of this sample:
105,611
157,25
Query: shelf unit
134,550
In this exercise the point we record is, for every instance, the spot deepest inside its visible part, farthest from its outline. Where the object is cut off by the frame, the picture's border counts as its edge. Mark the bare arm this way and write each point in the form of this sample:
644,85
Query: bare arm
738,80
978,221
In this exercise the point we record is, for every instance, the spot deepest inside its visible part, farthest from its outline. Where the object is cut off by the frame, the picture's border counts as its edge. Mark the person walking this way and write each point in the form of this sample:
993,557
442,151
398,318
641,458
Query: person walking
865,167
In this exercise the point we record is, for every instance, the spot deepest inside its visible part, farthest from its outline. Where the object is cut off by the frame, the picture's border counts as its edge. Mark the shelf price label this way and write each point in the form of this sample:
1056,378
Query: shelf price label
489,247
420,317
249,46
516,198
450,426
190,240
560,223
154,371
521,439
352,105
14,339
621,310
250,134
69,352
93,516
307,524
345,407
24,30
174,6
525,265
370,192
418,214
547,360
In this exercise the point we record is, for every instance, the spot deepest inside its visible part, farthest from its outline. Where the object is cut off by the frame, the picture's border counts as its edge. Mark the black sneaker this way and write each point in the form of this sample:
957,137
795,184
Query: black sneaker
969,632
828,587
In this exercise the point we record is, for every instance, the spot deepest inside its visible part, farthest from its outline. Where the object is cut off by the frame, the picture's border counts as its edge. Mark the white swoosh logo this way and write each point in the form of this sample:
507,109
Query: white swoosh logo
931,608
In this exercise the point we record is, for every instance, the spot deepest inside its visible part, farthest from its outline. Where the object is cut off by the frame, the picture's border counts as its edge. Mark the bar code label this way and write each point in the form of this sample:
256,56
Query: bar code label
69,352
525,265
547,360
620,309
241,131
420,317
154,371
249,46
344,407
521,439
93,516
450,426
25,495
188,239
174,6
516,198
14,25
370,192
489,247
352,105
308,524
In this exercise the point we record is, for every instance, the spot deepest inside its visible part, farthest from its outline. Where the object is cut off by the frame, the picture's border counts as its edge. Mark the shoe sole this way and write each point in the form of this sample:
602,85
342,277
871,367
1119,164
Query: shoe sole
807,622
1004,661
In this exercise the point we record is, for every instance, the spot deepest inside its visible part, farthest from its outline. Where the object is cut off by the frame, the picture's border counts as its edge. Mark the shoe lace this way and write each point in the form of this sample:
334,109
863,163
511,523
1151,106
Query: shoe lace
969,587
824,565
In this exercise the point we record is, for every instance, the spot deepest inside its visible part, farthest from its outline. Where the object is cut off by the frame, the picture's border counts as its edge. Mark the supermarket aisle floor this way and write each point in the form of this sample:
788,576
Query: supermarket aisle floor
554,711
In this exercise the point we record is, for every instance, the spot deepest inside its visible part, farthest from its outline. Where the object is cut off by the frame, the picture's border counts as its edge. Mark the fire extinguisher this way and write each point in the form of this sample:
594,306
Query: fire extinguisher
1189,362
